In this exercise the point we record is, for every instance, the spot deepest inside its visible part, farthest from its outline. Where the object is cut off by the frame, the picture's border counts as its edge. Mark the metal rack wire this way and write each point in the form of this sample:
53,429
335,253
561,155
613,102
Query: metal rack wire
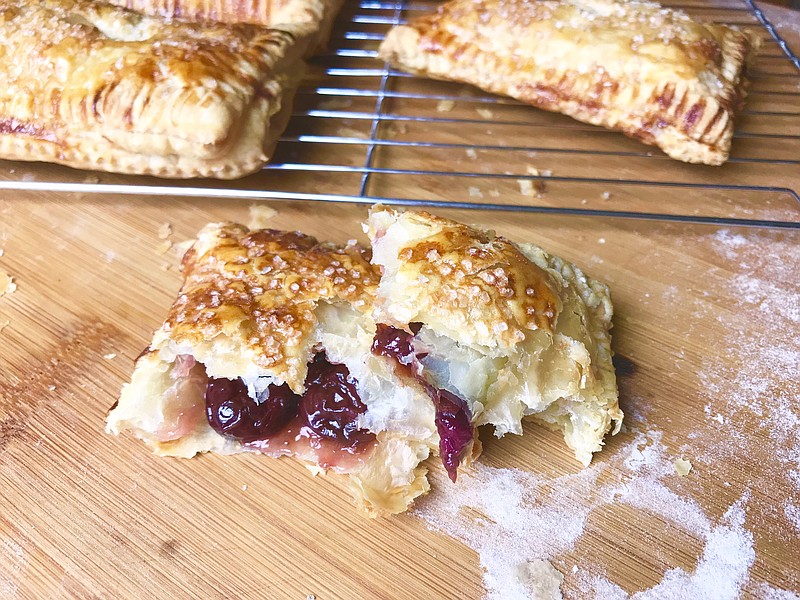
362,132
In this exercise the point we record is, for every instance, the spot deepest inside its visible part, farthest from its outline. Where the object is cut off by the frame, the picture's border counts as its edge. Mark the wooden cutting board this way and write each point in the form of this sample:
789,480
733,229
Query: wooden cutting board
706,332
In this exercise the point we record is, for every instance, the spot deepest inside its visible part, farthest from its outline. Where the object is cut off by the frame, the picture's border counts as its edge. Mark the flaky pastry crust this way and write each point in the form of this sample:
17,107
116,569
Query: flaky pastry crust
317,14
94,86
513,330
501,331
258,305
654,73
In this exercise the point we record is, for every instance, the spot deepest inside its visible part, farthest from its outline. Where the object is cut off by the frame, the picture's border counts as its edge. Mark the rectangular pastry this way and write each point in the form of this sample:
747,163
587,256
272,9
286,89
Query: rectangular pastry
94,86
365,363
653,73
318,14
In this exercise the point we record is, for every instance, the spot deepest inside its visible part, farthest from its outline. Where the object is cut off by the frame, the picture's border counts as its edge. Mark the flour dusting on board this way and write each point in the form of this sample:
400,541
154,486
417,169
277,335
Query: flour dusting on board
514,519
757,378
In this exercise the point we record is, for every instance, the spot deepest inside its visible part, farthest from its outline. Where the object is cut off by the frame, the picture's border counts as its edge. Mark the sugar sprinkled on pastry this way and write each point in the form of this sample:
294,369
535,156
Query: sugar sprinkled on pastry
505,330
317,14
264,350
100,87
654,73
280,344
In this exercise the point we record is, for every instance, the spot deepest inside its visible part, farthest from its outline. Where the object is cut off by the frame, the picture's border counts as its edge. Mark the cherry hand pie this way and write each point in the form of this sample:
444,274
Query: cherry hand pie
365,363
319,14
94,86
653,73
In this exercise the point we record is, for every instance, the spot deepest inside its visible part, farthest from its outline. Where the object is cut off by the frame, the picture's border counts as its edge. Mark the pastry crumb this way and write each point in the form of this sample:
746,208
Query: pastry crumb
7,284
682,467
51,387
349,132
606,195
259,214
181,248
163,247
110,356
531,188
537,172
244,487
540,579
445,106
396,129
315,470
601,240
164,231
91,179
4,324
485,113
471,153
311,597
335,103
494,193
525,187
166,267
2,252
475,192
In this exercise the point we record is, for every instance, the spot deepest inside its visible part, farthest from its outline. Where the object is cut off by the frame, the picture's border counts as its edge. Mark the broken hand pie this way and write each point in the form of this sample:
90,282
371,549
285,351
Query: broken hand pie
366,363
94,86
654,73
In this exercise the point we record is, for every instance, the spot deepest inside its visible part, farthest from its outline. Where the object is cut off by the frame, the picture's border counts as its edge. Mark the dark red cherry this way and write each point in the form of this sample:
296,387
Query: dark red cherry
452,413
230,411
396,344
331,404
455,430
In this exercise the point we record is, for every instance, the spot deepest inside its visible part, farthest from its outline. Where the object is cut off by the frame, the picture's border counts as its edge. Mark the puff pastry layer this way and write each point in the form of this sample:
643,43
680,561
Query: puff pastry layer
514,331
94,86
653,73
493,332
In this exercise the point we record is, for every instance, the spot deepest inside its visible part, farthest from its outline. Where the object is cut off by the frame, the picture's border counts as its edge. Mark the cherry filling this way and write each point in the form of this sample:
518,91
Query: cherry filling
328,410
232,412
453,420
331,404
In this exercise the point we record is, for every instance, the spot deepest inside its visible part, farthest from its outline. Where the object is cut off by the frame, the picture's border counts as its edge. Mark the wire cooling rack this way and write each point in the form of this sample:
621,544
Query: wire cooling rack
362,132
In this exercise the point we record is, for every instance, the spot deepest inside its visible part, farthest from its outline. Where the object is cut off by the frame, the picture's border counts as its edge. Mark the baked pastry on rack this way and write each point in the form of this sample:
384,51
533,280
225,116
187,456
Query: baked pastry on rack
283,345
653,73
99,87
317,14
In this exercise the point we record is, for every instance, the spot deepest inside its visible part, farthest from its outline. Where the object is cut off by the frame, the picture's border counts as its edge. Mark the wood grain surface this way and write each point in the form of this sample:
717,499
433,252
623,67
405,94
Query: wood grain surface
706,325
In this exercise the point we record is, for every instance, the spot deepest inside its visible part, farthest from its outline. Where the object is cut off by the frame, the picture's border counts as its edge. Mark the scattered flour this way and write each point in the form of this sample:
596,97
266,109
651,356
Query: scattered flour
757,375
513,518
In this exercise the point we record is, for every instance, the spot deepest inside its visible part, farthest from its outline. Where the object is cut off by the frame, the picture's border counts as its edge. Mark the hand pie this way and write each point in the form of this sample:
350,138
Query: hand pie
653,73
99,87
319,14
506,329
267,349
283,345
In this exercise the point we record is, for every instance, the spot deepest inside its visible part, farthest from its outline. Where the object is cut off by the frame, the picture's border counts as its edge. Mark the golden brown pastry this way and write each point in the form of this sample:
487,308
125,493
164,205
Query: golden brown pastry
651,72
508,329
94,86
319,14
267,349
283,345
